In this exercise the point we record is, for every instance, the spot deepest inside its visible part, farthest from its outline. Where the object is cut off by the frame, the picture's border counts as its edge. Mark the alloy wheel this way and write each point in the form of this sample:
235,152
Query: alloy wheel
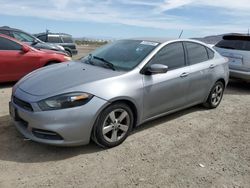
116,125
217,95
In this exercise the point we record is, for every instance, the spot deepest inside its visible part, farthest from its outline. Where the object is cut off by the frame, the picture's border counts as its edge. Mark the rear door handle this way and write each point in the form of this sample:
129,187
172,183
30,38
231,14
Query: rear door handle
212,66
185,74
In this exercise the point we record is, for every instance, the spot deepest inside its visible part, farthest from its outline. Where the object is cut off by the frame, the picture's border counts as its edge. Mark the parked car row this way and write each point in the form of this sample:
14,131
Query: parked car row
49,41
22,53
18,59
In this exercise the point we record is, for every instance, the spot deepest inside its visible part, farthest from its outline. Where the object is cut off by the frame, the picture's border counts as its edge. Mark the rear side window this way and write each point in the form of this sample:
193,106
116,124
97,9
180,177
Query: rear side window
5,32
210,53
67,39
196,53
6,44
171,55
54,39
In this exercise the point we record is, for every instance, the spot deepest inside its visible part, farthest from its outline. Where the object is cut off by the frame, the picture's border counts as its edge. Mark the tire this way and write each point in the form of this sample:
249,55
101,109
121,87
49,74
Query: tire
113,125
215,95
68,53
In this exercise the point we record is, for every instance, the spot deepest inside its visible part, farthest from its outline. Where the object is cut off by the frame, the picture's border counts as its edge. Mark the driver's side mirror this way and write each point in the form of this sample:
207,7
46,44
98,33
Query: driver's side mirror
25,49
156,69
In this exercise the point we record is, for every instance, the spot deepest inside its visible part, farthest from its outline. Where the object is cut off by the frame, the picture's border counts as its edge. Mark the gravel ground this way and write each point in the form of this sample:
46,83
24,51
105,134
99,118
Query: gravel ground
192,148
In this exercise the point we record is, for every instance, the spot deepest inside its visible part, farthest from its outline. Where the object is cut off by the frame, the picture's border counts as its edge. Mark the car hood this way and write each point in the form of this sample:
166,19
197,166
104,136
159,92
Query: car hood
43,45
58,78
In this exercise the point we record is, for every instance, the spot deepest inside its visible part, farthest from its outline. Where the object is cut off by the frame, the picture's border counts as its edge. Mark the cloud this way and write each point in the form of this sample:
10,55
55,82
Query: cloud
143,13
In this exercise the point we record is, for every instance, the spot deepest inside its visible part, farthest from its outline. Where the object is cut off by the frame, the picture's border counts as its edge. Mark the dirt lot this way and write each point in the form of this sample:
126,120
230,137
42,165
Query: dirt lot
192,148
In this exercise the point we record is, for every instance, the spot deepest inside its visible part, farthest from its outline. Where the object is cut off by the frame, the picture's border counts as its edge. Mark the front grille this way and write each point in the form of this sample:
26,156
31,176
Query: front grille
48,135
22,104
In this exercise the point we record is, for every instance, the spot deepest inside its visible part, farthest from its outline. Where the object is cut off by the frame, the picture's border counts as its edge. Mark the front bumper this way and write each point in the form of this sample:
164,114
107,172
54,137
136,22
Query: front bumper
66,127
245,75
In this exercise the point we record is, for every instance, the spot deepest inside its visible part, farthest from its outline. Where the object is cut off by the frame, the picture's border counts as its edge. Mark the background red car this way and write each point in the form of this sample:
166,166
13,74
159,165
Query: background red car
18,59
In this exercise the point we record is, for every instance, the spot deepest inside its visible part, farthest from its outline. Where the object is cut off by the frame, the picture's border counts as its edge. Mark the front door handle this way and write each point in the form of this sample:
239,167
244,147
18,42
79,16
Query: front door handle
185,74
212,66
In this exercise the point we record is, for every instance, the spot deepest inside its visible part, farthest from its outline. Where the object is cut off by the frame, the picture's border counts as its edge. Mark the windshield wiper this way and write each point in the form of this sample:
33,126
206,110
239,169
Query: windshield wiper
107,63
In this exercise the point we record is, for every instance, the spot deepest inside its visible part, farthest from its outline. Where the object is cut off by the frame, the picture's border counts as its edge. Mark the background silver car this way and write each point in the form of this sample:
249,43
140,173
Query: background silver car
237,49
117,87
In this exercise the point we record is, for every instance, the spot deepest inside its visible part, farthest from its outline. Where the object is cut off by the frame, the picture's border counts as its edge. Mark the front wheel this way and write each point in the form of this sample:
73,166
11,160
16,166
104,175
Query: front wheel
215,95
113,125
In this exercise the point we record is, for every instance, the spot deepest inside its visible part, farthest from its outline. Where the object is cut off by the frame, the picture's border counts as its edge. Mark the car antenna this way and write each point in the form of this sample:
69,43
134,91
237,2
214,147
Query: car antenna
181,34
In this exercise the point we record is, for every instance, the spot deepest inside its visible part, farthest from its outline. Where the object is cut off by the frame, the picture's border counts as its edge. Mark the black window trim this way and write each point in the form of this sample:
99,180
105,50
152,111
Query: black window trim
185,57
186,51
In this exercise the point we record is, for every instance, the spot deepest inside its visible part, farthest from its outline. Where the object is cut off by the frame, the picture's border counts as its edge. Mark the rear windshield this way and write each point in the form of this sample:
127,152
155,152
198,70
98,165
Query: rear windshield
234,44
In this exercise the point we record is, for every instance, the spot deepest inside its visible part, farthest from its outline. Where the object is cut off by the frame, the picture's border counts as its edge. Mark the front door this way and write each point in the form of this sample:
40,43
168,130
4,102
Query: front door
168,91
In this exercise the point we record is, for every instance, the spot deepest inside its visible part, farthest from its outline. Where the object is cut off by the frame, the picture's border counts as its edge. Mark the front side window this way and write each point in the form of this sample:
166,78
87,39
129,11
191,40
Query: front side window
22,37
171,55
196,53
54,39
123,54
6,44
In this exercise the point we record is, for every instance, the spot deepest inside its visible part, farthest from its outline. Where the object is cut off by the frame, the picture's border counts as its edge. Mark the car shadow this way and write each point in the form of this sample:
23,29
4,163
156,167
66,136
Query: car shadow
7,85
166,118
14,147
238,87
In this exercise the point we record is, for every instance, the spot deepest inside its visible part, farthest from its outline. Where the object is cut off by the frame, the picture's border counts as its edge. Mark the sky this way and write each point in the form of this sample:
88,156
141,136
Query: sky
127,18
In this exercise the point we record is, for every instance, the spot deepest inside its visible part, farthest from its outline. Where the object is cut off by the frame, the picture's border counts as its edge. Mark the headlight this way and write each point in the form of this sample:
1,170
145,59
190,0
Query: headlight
68,100
67,58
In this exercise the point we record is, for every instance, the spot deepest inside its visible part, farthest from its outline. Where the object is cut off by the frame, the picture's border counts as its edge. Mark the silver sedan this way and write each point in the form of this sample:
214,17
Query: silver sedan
119,86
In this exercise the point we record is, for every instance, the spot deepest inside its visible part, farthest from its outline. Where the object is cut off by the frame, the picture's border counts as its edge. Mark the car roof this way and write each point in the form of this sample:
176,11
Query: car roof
53,34
10,28
153,39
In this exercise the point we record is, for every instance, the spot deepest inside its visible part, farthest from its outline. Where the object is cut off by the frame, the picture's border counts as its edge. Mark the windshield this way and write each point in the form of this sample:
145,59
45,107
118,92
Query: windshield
23,37
123,54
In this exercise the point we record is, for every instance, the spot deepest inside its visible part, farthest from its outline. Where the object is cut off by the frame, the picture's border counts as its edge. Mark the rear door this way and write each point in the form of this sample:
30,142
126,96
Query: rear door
14,63
201,66
167,92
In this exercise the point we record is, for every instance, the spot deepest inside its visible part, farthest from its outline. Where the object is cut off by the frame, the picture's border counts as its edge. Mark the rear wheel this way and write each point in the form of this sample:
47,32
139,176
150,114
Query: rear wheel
113,125
215,95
